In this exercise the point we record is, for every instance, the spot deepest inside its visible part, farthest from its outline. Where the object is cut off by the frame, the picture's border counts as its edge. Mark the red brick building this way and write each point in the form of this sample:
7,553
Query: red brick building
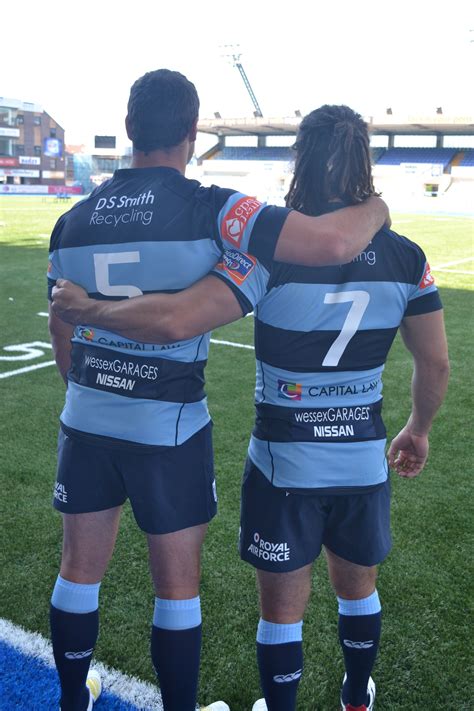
31,145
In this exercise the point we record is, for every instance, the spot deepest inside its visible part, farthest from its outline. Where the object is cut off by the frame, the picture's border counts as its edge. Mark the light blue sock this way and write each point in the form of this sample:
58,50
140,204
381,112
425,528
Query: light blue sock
75,597
177,614
273,633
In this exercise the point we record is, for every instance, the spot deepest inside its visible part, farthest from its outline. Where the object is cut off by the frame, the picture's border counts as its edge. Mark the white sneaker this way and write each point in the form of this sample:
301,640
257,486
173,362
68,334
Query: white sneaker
94,684
259,705
370,694
216,706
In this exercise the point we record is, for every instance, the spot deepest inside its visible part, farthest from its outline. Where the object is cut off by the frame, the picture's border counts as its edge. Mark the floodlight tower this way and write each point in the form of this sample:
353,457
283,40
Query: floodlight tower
235,55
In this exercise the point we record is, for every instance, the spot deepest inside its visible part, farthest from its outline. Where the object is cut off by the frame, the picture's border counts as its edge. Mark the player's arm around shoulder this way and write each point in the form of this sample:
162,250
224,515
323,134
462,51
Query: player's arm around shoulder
424,336
332,238
153,318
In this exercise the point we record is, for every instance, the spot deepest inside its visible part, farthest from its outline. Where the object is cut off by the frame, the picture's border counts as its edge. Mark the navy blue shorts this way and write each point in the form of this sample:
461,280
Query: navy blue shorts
281,531
170,488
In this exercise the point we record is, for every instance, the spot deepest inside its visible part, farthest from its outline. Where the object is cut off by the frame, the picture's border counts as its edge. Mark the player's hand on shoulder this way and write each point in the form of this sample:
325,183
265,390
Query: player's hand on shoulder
408,453
69,301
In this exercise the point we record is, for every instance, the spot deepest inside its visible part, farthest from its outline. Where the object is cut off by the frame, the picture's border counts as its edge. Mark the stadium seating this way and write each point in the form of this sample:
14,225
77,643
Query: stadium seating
377,153
468,158
395,156
253,153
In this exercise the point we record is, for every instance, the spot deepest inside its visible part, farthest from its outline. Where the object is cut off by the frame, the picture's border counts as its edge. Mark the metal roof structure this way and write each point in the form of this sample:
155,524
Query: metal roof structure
378,125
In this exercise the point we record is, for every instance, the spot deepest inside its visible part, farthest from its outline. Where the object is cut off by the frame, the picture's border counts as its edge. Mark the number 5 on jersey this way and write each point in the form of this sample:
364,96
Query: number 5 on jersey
101,266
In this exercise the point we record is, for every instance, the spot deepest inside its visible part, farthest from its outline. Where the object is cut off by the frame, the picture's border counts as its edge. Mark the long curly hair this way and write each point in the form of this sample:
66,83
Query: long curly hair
332,160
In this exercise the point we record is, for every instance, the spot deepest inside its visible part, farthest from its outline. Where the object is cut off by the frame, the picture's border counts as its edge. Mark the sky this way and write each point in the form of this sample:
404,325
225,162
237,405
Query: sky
78,60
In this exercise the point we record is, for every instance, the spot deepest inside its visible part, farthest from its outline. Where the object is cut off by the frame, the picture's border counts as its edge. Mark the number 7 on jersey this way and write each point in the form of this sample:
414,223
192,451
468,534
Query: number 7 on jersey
360,301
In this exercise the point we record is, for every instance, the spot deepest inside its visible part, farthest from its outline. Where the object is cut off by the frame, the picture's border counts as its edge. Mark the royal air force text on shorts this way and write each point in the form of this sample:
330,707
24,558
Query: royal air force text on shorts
60,493
117,203
273,552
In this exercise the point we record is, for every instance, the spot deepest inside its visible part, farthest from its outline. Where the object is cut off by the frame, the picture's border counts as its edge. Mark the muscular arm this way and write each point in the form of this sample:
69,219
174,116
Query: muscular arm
424,336
163,318
154,318
61,334
332,238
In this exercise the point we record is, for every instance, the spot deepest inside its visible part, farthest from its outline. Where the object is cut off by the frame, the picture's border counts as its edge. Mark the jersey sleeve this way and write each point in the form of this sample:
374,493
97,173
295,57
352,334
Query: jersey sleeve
54,268
244,275
424,296
250,226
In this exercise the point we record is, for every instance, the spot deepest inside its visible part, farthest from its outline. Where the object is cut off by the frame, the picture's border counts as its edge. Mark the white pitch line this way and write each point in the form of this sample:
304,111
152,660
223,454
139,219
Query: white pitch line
453,264
27,369
455,271
234,345
42,313
144,696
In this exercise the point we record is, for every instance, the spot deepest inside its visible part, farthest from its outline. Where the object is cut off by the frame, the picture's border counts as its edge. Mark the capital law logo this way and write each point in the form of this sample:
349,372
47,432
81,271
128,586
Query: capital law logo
87,334
289,391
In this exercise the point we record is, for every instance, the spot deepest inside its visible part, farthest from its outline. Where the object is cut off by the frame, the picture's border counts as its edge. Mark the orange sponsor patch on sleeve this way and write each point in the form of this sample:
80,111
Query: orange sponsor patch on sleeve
235,220
427,278
237,265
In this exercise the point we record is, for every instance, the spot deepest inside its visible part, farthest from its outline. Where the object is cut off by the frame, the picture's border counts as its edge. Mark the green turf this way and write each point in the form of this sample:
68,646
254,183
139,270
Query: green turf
424,584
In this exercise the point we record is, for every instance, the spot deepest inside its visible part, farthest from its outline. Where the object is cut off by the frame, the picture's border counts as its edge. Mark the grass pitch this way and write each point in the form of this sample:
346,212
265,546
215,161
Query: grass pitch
424,585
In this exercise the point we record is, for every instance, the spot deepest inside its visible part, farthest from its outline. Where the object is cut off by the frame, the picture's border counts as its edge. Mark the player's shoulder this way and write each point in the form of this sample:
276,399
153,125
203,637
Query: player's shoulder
85,202
216,197
394,246
209,198
389,239
73,215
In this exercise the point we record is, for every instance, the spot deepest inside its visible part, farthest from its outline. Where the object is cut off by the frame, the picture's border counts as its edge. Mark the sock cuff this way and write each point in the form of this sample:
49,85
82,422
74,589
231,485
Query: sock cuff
365,606
75,597
274,633
177,614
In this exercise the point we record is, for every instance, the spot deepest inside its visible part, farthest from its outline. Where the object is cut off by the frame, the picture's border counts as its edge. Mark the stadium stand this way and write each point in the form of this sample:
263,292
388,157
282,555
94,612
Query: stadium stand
377,153
468,158
396,156
250,153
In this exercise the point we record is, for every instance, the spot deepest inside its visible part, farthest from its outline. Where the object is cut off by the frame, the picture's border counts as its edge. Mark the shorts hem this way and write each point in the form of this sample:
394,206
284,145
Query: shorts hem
62,509
206,519
375,560
290,568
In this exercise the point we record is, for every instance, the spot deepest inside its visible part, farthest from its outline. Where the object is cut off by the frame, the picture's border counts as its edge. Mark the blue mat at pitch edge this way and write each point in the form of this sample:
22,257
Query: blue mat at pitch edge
28,684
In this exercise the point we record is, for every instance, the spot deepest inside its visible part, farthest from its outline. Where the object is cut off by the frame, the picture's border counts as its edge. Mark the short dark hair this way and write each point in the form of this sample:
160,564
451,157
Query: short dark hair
332,160
162,109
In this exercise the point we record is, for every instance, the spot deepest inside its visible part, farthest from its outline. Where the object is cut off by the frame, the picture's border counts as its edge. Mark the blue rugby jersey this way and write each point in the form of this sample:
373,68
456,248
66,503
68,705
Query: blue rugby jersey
322,336
145,231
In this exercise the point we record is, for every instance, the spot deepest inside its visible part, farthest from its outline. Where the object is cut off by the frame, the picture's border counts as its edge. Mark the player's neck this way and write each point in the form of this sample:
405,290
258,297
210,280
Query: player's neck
175,158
